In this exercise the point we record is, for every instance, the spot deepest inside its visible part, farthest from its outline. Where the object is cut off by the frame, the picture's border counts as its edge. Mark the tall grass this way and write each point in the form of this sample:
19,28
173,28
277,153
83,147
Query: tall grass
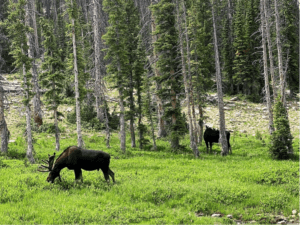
152,187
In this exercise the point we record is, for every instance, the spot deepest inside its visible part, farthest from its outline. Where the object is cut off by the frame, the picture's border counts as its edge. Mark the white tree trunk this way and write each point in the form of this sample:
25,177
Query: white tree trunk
38,116
57,144
160,111
98,77
122,122
279,49
3,126
265,60
36,39
222,139
266,16
78,118
193,145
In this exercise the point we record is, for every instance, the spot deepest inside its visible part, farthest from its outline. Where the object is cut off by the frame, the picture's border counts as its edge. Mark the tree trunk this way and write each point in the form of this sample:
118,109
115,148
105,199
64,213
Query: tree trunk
57,144
270,50
36,39
279,49
107,128
3,126
38,116
122,122
265,60
28,125
131,106
78,119
193,145
222,139
174,138
160,112
97,53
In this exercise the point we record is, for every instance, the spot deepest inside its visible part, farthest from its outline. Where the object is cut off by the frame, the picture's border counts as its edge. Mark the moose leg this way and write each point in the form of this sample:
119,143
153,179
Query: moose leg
210,143
105,173
207,147
111,174
78,175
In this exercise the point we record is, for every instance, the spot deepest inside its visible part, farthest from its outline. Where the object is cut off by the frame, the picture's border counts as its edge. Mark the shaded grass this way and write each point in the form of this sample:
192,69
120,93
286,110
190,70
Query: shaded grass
151,187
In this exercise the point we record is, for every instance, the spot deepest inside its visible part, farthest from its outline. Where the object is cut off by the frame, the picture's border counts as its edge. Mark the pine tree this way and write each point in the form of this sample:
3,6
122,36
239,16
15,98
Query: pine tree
76,62
281,139
170,78
17,32
53,77
116,40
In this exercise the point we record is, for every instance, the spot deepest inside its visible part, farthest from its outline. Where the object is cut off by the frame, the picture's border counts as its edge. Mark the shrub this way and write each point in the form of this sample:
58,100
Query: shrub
281,138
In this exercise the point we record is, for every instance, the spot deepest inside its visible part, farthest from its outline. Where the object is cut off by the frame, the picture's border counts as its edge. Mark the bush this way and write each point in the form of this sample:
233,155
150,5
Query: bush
281,138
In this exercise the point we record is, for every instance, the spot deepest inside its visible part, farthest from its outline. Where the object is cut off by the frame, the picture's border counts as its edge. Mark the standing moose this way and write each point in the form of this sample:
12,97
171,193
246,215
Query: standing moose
75,158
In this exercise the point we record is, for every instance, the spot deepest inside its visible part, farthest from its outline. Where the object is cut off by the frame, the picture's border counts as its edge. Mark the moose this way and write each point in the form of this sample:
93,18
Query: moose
76,158
212,135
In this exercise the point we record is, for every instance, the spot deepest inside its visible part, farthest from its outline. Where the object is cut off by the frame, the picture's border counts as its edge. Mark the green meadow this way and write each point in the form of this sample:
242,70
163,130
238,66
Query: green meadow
152,187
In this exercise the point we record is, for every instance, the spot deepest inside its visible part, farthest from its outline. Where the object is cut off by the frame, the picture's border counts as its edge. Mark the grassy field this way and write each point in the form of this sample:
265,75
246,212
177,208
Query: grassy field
152,187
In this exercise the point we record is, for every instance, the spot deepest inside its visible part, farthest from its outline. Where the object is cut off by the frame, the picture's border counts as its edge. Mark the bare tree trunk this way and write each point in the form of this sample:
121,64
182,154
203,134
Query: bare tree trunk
97,53
160,111
3,126
193,145
122,122
270,49
279,49
107,128
131,105
38,116
78,119
36,39
222,139
28,125
57,144
265,59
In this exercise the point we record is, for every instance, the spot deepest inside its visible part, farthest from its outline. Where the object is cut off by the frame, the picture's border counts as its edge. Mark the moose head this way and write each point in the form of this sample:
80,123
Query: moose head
52,175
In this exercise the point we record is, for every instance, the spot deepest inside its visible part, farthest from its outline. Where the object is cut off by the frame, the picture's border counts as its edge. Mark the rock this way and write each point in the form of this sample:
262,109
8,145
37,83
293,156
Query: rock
237,114
257,108
216,215
243,131
235,99
231,105
282,222
243,103
252,221
199,214
264,108
229,216
227,108
292,221
69,109
265,117
294,212
11,141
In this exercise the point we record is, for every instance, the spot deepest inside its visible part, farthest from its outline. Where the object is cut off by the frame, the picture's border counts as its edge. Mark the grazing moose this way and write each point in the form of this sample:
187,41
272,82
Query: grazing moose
212,135
75,158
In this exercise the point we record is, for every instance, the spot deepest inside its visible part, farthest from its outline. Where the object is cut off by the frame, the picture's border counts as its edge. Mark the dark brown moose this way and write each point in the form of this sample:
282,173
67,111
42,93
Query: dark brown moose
75,158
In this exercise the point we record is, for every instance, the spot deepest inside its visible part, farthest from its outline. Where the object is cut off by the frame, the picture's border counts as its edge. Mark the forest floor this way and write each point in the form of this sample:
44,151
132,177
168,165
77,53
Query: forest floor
154,187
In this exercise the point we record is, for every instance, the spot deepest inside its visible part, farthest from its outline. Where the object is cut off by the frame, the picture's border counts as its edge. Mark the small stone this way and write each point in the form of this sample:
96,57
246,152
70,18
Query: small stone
264,108
252,221
216,215
69,109
227,108
282,222
11,141
229,216
234,99
199,214
243,131
294,212
231,105
292,221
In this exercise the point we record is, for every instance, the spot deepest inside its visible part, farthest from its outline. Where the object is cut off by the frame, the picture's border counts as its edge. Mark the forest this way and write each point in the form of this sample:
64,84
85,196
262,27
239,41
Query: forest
152,83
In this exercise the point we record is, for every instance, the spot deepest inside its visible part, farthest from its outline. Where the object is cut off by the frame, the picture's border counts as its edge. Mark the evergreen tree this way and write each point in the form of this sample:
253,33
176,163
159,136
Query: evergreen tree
168,64
117,52
281,139
53,77
17,30
76,61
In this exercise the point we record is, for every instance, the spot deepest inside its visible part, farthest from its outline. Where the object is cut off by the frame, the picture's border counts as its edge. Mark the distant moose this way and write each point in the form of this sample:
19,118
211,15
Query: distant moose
212,135
75,158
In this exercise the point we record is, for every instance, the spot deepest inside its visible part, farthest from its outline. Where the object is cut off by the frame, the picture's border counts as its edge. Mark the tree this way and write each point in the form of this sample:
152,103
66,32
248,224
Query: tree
186,76
3,126
223,139
281,139
167,63
115,39
53,77
265,61
17,29
76,62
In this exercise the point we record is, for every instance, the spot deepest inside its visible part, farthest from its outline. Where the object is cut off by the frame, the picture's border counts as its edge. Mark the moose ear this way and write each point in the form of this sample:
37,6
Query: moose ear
54,154
49,155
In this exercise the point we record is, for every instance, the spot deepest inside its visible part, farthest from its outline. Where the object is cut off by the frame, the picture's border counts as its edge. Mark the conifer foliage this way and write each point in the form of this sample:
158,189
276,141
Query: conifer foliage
281,138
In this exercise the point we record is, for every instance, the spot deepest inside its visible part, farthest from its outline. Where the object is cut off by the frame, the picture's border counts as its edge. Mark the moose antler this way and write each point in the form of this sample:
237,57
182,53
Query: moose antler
50,162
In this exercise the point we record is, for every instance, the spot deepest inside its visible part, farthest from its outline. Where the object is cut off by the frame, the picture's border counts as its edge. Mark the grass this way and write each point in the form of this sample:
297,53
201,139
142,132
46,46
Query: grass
151,187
